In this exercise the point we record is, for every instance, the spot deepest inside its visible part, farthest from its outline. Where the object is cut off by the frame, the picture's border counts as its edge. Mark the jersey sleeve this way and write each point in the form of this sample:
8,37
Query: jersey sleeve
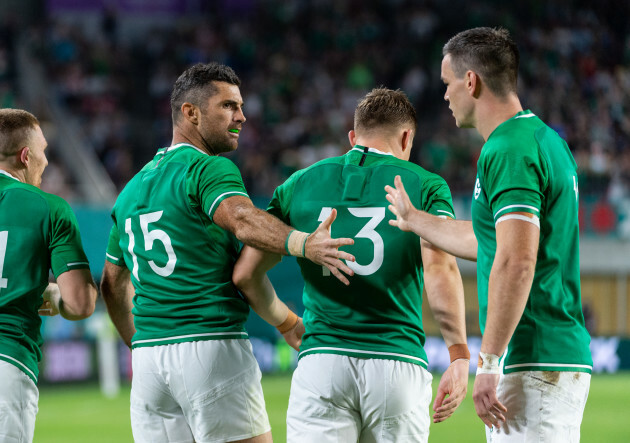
66,249
114,253
280,205
513,179
438,200
210,180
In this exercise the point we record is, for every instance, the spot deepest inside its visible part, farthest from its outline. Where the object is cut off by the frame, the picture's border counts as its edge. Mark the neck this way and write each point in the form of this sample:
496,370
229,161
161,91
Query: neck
494,111
15,173
182,137
383,145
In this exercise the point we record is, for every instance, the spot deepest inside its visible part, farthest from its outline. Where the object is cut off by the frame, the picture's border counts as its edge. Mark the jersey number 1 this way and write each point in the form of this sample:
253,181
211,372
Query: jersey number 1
376,215
149,238
4,235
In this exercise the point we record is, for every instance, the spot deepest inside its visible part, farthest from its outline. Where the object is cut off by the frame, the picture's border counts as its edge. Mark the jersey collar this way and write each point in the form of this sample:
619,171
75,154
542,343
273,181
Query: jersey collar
179,145
360,148
8,174
524,114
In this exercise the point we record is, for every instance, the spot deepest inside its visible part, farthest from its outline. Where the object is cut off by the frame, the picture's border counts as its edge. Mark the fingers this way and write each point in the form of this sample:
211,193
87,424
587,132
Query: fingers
393,210
326,224
399,184
343,241
491,413
439,398
342,278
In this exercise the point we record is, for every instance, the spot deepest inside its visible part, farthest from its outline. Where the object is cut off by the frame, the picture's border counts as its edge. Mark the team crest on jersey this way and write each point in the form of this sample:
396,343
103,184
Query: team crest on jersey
477,188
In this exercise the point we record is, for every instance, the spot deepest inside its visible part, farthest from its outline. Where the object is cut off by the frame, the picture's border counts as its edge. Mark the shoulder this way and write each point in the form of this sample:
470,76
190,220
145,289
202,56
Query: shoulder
36,197
316,168
211,163
409,170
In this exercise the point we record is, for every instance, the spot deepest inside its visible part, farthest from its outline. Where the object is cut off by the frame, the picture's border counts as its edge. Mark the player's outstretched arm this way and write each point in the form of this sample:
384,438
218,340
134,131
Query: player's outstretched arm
250,277
445,294
73,296
453,236
118,292
261,230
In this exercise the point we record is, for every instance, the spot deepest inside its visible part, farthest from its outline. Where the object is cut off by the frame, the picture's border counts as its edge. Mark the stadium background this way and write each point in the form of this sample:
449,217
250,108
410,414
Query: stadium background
98,74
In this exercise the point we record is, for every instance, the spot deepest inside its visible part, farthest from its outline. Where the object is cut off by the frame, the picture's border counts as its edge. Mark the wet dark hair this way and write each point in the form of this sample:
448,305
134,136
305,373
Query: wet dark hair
195,85
490,53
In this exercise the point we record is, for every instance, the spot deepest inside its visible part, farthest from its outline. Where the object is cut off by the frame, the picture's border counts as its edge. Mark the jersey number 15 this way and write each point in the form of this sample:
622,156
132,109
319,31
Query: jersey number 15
149,237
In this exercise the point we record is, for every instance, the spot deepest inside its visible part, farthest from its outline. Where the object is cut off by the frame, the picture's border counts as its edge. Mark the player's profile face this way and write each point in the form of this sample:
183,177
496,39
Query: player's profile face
222,119
37,157
456,94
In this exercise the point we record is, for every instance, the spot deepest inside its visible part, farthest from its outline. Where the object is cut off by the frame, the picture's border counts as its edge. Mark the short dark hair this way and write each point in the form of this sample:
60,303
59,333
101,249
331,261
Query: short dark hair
16,126
384,108
491,53
195,84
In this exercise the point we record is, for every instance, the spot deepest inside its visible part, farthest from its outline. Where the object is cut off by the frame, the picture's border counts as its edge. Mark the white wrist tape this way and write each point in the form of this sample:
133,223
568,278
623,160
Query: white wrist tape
296,243
488,364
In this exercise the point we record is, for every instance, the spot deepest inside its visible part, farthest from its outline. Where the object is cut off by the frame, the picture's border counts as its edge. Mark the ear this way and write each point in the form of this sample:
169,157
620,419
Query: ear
407,139
352,136
473,84
190,112
22,155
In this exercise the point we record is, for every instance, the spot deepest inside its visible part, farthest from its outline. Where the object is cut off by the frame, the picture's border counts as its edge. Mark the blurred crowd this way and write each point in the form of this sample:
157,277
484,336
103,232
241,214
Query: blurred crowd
305,64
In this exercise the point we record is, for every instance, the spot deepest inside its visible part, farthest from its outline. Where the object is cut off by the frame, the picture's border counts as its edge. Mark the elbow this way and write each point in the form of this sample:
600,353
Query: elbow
241,277
87,303
239,218
520,269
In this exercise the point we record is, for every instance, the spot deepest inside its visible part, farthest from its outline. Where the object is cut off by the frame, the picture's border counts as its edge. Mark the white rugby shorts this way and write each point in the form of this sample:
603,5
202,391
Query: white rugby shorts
203,391
336,398
18,404
543,406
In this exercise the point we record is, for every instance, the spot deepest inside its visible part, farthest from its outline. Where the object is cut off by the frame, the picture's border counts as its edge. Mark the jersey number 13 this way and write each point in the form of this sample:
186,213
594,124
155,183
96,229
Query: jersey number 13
375,215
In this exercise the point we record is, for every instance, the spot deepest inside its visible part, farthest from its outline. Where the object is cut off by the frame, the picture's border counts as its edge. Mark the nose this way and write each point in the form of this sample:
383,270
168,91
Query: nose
239,116
446,96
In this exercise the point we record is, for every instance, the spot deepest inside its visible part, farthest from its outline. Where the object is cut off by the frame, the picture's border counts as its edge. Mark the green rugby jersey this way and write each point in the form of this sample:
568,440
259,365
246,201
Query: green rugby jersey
180,261
379,314
38,232
526,167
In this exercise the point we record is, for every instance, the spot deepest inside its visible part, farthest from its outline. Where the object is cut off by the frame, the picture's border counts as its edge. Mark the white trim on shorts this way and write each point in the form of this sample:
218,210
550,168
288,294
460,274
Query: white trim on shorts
21,365
177,337
328,348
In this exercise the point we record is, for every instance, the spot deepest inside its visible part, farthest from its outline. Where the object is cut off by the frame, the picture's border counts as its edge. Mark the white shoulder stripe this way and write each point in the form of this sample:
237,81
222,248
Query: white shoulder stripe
530,115
446,212
505,208
533,220
221,197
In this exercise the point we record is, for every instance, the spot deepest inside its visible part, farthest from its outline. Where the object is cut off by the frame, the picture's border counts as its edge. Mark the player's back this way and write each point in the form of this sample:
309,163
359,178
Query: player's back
181,263
379,314
25,236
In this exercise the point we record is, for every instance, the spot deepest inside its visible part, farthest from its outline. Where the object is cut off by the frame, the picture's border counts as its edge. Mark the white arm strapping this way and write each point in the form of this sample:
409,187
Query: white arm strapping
533,219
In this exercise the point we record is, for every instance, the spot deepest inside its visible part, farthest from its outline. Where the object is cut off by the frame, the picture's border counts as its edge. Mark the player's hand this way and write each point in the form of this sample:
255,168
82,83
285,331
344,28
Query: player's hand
294,335
51,296
454,383
400,205
489,409
323,250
